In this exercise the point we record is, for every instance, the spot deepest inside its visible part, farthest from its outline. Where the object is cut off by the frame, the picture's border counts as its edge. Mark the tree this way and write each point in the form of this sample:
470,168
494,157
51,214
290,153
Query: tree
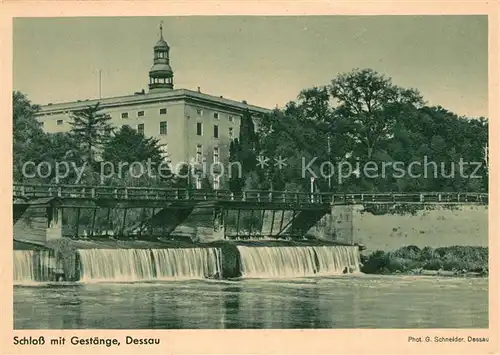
248,143
142,157
236,182
91,128
28,136
372,102
184,178
244,151
314,104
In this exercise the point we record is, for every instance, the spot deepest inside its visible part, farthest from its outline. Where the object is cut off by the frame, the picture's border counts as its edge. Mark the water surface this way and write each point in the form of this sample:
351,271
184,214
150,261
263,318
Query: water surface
359,301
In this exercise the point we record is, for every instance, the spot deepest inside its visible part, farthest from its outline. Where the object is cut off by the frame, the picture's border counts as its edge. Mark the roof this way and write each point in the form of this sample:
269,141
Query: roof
161,44
161,68
172,95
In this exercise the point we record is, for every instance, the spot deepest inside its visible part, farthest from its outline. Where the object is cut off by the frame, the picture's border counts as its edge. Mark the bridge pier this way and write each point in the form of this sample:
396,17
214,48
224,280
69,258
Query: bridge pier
335,226
37,221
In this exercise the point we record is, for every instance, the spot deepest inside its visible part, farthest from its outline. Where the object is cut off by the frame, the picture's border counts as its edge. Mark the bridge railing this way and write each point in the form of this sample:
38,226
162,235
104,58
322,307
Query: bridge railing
155,193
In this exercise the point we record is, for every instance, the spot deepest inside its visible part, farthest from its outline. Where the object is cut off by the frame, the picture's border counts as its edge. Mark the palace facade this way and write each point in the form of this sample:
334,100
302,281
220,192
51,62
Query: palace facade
190,124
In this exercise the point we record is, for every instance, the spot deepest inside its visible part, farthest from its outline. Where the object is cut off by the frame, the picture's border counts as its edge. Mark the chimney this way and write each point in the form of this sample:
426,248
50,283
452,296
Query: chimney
199,90
244,101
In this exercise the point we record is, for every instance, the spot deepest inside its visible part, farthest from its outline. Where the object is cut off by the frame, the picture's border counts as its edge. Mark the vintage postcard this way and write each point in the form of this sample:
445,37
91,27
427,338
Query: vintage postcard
249,178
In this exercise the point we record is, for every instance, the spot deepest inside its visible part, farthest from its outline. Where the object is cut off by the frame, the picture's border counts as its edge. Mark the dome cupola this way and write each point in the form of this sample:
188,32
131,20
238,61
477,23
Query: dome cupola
161,75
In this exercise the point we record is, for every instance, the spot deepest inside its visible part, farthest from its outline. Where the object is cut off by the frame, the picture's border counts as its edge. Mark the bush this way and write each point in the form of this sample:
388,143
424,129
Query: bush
408,252
405,259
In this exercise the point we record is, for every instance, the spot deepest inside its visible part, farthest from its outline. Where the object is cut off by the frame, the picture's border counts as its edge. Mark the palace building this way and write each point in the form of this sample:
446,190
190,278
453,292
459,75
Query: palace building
190,124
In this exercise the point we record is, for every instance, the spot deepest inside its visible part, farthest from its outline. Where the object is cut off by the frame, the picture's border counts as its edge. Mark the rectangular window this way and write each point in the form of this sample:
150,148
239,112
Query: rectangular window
163,111
59,122
140,128
199,112
199,129
124,114
231,118
216,182
216,155
140,114
231,133
216,115
216,131
163,128
198,182
199,153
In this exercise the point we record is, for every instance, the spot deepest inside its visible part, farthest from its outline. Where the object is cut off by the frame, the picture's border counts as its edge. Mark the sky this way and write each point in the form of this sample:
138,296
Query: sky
264,60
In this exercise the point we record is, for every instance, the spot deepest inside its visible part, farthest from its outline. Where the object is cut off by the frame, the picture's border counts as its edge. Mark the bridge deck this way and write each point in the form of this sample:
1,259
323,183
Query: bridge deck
73,192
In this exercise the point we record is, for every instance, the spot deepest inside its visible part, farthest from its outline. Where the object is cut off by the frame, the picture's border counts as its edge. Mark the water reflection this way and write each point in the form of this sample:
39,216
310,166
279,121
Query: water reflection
341,302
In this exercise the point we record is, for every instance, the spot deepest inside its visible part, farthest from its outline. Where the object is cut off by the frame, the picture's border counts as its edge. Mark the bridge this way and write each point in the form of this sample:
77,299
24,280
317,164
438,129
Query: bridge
300,199
50,211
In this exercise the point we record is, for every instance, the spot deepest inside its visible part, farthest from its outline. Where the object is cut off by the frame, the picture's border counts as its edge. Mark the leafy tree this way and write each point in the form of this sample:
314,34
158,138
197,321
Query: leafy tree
91,128
141,157
28,136
372,102
184,178
367,118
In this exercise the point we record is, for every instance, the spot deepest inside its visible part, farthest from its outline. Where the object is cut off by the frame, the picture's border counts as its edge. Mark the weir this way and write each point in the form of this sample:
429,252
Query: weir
128,265
32,266
270,262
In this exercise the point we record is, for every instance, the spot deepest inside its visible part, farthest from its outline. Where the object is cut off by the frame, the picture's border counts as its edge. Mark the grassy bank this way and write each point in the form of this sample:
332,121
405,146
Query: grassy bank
455,260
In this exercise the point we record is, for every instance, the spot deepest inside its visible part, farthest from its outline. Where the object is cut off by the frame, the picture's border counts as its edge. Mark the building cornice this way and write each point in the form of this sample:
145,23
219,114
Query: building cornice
170,96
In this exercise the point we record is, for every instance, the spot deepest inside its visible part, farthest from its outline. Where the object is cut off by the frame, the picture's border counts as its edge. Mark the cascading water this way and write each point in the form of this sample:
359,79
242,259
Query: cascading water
119,265
194,263
272,262
126,265
32,266
335,259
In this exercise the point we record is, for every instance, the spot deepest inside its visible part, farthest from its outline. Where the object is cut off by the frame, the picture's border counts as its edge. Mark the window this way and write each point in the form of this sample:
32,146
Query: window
199,129
216,182
140,128
216,131
59,122
216,115
199,153
124,114
140,114
42,124
231,118
199,112
231,133
198,182
163,111
216,155
163,128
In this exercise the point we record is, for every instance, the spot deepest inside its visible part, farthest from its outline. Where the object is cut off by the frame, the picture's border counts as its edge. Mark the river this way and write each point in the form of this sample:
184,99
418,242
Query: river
348,301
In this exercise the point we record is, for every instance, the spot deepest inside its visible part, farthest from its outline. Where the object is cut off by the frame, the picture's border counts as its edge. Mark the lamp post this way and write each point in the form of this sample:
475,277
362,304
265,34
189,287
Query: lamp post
329,172
312,189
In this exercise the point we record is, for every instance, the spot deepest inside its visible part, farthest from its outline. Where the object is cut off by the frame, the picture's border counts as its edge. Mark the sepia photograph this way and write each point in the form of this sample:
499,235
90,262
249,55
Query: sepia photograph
250,172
